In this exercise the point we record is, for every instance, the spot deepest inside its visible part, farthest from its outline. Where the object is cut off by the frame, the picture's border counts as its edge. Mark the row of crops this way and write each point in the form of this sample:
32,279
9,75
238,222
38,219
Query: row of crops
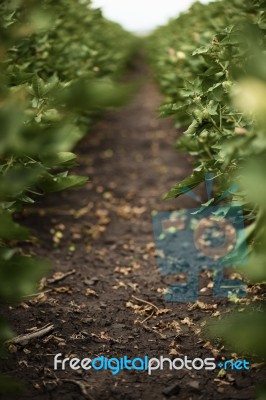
210,64
60,64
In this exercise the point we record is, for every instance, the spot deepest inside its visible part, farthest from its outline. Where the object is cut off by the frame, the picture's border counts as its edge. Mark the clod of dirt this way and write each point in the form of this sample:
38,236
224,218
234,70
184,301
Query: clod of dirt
171,390
92,281
194,385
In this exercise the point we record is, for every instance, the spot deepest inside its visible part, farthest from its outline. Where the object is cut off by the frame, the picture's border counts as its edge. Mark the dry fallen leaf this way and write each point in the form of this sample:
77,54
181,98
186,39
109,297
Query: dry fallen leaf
127,212
63,289
12,348
202,306
139,309
173,352
162,290
56,275
104,336
123,270
176,326
187,321
119,285
25,306
90,292
160,311
216,314
36,386
213,350
221,373
96,231
136,266
133,286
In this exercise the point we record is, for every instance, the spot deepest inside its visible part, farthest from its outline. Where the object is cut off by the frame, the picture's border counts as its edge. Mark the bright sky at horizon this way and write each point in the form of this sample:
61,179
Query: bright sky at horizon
142,16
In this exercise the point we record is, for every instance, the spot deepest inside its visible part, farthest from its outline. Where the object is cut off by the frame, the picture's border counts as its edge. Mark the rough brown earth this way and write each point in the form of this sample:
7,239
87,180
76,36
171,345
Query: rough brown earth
104,232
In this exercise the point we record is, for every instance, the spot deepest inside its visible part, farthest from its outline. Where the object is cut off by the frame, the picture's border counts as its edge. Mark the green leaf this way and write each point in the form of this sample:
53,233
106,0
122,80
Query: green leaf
19,275
38,86
5,334
238,331
10,230
201,50
186,185
57,183
9,386
63,158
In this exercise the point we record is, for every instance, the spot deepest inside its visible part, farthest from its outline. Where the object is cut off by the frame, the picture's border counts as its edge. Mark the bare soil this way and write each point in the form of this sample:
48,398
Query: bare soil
103,232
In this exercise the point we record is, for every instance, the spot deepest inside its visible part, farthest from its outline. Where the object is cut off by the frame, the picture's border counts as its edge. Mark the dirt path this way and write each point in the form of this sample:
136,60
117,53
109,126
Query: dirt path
104,232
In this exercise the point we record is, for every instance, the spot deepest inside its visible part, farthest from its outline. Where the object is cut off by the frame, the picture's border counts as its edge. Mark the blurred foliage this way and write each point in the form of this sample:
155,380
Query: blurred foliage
210,64
200,60
60,61
240,329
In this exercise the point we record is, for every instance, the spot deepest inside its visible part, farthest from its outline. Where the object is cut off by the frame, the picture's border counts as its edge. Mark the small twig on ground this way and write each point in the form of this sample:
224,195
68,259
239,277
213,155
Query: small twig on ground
37,294
60,278
147,328
149,317
146,302
25,339
81,386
